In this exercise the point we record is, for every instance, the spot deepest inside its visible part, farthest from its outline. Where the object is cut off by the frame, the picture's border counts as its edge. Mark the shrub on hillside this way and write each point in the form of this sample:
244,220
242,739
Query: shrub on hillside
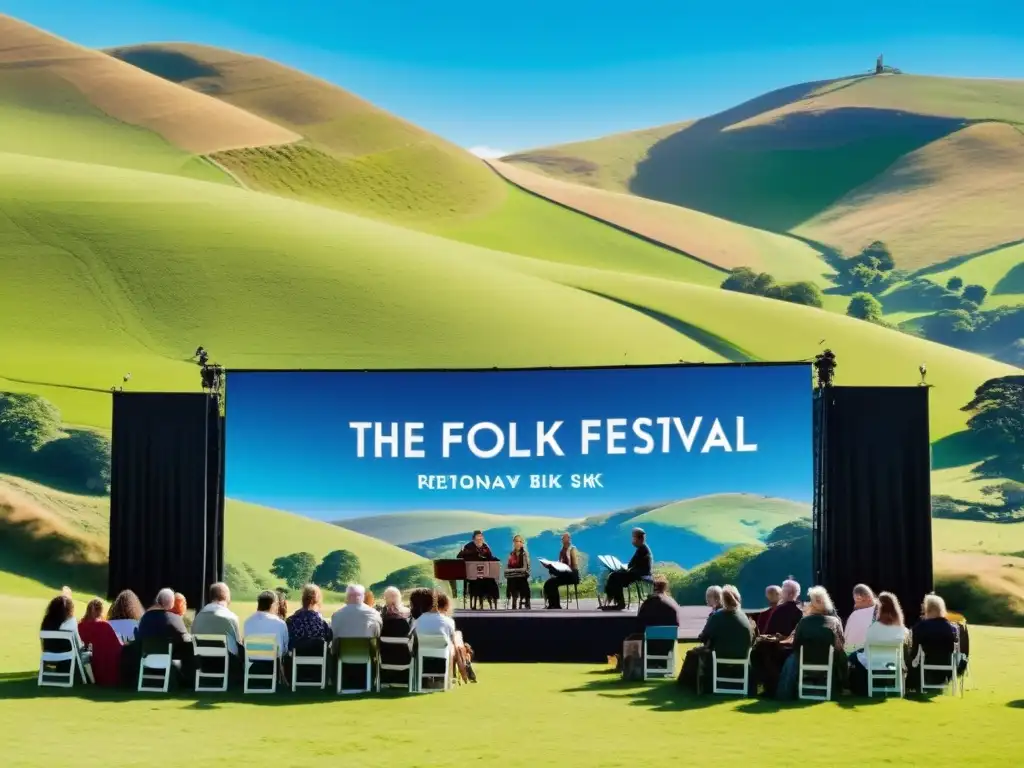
80,461
724,569
410,577
954,284
975,293
746,280
804,292
966,594
27,422
296,569
864,306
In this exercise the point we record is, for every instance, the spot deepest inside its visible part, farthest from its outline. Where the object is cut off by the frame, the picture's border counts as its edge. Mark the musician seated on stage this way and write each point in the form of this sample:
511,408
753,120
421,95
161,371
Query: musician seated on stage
480,589
517,577
567,556
639,567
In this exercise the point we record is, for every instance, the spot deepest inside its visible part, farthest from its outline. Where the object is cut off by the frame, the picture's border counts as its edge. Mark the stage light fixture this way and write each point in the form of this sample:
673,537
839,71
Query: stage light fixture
213,378
923,370
825,368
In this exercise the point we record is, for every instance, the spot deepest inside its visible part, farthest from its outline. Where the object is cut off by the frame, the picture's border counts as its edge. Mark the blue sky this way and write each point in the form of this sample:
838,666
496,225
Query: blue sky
289,444
511,75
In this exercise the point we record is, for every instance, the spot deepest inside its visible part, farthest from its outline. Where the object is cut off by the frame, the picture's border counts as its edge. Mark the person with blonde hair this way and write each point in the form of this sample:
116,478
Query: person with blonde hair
815,632
517,587
713,597
728,631
307,628
886,629
393,602
864,606
935,634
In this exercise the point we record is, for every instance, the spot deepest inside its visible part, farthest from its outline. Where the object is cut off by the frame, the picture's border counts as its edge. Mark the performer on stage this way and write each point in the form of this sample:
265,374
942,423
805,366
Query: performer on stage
568,557
640,565
480,589
517,588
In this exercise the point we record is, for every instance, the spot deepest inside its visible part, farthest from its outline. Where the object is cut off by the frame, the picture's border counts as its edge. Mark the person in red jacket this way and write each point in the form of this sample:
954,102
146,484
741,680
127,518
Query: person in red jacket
106,645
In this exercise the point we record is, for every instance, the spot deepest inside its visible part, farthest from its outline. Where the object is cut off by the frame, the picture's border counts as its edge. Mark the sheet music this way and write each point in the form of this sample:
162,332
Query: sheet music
554,565
611,562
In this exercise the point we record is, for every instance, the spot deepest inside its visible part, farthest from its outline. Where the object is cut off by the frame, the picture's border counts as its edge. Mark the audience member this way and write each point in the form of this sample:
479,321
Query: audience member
393,602
104,645
124,615
93,611
60,617
421,601
160,625
728,632
266,621
216,618
787,613
282,605
713,598
306,627
427,620
772,595
660,609
815,632
887,629
936,635
861,618
370,600
180,608
355,618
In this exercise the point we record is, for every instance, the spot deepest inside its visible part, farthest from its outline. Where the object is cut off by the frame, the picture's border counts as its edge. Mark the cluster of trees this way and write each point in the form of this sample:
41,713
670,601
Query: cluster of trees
998,332
336,571
997,418
746,280
34,443
871,271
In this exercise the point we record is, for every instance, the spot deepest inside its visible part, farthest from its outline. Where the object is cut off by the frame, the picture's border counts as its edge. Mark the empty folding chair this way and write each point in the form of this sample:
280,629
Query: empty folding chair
732,685
211,656
260,651
814,691
398,656
355,651
660,647
884,663
433,648
51,663
155,667
304,658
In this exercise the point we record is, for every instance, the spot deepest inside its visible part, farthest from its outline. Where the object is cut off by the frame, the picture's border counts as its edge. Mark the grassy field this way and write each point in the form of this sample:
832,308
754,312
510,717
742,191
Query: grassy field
727,518
32,61
551,700
977,536
1001,271
255,535
404,528
713,240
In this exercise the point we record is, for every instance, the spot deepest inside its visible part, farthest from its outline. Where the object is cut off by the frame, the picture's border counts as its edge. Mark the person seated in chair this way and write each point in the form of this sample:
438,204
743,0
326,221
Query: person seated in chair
772,595
355,618
217,618
728,632
820,628
567,556
639,567
517,588
480,589
787,613
936,635
307,628
886,629
161,625
60,617
124,614
864,608
266,621
660,609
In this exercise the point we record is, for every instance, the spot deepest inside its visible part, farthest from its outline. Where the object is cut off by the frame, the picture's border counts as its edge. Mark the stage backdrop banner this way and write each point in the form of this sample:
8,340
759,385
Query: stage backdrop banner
351,475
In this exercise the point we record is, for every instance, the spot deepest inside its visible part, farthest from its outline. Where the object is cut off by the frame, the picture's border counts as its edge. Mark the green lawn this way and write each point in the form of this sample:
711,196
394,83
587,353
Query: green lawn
518,715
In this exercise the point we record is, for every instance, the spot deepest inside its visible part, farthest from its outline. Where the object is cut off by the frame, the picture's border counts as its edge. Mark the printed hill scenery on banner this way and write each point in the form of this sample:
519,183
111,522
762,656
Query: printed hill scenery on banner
876,215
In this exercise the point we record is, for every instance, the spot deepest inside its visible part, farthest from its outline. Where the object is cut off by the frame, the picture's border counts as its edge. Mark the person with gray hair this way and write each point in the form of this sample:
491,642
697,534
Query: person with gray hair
160,626
216,618
864,609
787,613
355,618
713,597
772,595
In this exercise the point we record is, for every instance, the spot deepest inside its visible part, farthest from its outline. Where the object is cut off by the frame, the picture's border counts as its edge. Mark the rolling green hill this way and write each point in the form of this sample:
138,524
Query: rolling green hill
727,518
1001,271
255,535
408,527
356,155
861,144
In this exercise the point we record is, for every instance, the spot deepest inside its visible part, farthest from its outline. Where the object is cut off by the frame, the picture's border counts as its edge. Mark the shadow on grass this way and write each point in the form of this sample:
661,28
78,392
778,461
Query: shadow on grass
22,686
958,449
1016,704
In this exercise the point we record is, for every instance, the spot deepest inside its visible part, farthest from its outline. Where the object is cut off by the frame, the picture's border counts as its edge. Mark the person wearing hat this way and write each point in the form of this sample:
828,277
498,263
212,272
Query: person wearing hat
640,567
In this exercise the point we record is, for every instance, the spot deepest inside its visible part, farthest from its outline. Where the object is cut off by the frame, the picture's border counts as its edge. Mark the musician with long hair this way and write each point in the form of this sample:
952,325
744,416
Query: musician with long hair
567,556
517,578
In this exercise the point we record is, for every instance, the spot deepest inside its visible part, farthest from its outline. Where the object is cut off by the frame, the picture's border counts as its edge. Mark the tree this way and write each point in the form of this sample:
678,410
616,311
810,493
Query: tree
1009,493
296,569
337,570
864,306
975,293
740,280
804,292
950,326
954,284
863,277
82,459
410,577
877,255
997,410
27,422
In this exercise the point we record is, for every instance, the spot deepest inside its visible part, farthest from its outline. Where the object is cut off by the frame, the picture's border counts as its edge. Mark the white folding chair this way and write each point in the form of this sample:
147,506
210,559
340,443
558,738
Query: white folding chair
660,635
210,647
884,662
407,668
155,668
356,651
52,677
305,660
260,649
949,668
813,692
737,686
433,647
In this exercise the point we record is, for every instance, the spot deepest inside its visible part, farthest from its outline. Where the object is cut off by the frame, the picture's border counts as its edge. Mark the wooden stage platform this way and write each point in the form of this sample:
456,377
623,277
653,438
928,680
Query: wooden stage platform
584,635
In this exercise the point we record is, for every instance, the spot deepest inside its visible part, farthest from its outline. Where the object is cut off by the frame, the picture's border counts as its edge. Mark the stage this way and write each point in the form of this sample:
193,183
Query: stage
585,635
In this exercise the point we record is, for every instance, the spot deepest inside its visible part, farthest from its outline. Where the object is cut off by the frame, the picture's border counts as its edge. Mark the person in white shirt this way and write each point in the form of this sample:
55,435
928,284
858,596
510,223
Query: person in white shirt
266,621
124,614
427,620
864,606
355,618
887,629
216,618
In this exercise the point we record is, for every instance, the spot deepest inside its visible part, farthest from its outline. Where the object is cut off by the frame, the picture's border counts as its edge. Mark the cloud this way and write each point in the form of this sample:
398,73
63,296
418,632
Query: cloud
488,153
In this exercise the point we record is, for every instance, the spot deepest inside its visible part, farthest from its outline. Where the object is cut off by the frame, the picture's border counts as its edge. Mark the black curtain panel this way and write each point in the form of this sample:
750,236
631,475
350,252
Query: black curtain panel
873,521
167,494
